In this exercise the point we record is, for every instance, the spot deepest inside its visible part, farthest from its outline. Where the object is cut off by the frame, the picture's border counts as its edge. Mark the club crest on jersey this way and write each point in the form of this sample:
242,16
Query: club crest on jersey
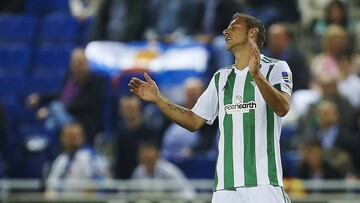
253,83
238,106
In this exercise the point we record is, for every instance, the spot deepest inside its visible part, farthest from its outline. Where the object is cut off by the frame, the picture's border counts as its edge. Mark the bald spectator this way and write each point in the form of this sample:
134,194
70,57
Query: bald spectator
178,142
281,45
80,99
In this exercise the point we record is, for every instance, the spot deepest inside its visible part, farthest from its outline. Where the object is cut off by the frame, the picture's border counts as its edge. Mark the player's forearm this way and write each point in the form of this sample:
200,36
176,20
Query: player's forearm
277,101
179,114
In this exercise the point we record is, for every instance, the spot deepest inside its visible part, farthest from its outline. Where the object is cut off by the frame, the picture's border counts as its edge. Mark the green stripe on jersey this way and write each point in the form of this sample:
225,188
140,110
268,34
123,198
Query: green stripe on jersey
249,134
228,134
266,59
272,173
217,77
273,60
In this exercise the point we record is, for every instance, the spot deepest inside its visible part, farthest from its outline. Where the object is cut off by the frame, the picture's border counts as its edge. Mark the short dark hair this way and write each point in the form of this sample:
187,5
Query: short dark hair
253,22
149,144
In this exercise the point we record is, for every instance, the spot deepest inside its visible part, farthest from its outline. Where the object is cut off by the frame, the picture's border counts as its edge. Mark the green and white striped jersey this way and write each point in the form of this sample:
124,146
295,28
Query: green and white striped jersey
249,131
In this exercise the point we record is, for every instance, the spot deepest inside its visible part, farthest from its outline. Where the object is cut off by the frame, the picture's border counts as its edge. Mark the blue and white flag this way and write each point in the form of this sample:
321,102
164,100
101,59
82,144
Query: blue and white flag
114,57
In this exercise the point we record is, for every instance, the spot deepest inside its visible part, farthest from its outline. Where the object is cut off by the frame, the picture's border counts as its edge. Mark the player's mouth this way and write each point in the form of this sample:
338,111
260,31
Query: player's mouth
227,39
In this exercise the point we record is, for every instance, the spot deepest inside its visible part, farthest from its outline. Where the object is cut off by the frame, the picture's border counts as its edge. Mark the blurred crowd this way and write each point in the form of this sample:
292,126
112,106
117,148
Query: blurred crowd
320,40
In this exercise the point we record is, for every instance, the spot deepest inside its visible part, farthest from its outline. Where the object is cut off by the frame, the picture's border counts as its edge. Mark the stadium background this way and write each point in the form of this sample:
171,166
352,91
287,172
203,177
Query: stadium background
36,41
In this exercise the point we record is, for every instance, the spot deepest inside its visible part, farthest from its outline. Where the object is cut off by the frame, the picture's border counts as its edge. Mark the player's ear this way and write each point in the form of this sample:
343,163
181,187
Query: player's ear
253,32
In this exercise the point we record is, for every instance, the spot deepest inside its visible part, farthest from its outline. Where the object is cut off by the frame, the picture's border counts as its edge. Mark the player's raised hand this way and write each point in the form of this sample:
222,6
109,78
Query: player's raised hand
146,90
254,61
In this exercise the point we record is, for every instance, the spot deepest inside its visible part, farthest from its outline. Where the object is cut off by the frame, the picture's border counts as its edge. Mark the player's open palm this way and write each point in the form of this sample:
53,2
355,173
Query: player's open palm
146,90
254,61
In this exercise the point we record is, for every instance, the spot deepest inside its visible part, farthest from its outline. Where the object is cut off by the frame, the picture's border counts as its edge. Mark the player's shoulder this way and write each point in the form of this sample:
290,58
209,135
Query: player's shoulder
276,63
225,70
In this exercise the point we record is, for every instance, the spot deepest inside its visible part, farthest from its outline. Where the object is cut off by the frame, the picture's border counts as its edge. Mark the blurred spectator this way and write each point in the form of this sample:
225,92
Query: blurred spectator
329,91
317,163
349,83
270,12
152,168
281,46
9,6
311,10
330,133
130,133
83,9
335,14
173,20
217,16
77,162
178,142
120,20
324,64
80,99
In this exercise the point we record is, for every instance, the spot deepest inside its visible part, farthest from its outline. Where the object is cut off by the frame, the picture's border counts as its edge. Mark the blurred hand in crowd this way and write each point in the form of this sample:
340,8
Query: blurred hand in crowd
33,100
42,113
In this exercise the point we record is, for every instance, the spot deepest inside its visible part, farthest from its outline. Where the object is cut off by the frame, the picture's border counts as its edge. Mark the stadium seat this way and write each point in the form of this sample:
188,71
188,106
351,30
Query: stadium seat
58,28
198,167
15,56
11,86
17,27
41,7
33,151
53,57
43,84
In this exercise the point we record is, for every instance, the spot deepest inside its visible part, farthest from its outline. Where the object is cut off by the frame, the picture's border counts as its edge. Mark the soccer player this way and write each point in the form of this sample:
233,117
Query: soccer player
249,98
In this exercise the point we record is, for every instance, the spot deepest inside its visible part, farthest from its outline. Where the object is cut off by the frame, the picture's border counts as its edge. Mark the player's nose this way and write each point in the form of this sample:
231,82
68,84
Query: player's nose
226,32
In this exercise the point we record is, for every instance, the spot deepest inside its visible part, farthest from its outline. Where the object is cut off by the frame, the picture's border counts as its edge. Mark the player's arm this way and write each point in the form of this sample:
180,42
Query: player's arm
148,91
278,101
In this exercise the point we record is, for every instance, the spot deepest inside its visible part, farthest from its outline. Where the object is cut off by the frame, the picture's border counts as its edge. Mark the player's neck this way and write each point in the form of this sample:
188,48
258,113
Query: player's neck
242,57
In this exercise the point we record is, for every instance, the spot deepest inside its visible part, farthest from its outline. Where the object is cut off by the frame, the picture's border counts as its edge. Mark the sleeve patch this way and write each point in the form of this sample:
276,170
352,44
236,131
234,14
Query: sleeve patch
287,77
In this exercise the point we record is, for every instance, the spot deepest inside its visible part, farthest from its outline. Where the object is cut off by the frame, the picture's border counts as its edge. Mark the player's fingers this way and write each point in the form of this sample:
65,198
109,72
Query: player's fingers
137,81
148,78
255,47
256,50
133,86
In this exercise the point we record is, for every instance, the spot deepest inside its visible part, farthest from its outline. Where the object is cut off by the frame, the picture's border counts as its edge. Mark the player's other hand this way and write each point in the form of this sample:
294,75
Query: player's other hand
146,90
254,61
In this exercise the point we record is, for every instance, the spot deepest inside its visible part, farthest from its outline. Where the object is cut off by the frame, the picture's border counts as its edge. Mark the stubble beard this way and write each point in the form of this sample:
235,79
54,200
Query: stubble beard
237,45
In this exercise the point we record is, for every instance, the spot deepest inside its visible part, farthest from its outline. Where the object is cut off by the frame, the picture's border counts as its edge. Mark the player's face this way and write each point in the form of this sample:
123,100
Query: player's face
236,34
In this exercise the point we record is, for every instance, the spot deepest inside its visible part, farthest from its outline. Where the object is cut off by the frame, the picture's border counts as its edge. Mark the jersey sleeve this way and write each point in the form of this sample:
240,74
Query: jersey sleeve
207,105
281,77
